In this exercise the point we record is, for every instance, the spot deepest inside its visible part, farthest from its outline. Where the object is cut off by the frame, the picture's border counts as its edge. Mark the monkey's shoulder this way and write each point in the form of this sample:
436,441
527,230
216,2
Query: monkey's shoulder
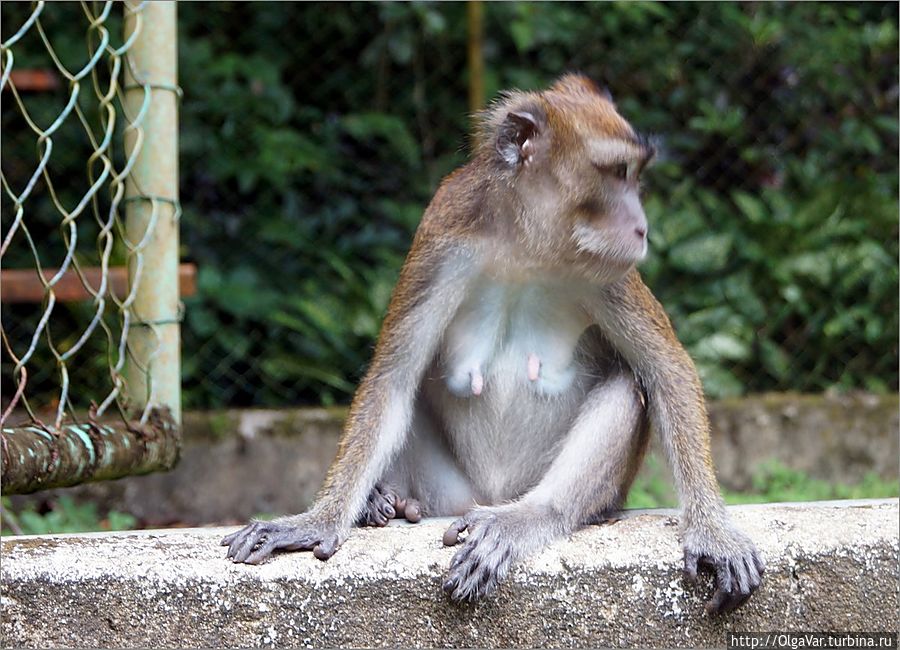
461,205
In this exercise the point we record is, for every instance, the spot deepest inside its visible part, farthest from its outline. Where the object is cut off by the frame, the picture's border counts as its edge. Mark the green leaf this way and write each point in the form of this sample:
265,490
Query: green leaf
702,254
775,360
752,207
721,346
386,129
522,35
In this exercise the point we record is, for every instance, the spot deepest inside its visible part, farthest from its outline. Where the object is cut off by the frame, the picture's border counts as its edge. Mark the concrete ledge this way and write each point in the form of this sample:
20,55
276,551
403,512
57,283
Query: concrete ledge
831,567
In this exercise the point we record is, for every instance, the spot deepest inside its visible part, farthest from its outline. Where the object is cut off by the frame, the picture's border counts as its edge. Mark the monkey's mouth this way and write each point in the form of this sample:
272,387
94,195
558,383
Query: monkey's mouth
616,248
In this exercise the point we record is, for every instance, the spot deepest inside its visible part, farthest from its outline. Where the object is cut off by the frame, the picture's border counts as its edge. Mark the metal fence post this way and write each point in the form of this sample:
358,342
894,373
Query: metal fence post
153,373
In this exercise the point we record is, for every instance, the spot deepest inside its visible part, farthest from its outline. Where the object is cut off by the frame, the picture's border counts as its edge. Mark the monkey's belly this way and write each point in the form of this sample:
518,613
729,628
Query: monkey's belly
508,385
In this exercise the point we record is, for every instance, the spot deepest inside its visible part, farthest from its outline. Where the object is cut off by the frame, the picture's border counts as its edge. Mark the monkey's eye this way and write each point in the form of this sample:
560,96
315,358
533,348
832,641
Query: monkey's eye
618,171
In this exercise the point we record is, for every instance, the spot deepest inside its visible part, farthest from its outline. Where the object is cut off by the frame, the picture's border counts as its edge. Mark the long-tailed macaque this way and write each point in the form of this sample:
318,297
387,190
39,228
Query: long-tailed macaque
522,363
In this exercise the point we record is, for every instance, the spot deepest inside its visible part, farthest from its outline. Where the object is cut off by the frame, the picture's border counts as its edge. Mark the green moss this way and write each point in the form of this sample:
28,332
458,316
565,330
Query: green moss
221,425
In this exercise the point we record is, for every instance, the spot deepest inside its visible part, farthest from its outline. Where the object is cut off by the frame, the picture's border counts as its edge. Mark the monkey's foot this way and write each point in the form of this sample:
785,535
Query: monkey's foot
498,536
259,539
605,518
734,560
384,504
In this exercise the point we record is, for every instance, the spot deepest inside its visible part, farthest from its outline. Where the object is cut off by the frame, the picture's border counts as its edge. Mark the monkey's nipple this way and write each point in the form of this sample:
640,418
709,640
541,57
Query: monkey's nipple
477,384
534,367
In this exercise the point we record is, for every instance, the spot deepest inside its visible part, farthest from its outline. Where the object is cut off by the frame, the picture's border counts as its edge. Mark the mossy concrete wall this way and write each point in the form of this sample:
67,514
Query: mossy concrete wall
236,464
831,567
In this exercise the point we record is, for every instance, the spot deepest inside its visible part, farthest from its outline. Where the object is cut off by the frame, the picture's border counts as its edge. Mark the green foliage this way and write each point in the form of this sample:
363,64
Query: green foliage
653,487
313,135
66,516
772,482
773,209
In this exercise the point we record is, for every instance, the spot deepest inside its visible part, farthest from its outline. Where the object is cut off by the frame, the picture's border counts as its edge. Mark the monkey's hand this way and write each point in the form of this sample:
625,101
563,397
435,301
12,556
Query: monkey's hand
732,557
498,537
305,532
385,503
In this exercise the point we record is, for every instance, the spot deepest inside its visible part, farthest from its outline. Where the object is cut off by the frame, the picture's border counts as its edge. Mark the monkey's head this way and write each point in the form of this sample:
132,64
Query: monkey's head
573,164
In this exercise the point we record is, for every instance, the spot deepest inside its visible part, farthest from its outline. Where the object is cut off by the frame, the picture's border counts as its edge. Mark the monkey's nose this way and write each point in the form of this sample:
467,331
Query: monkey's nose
641,231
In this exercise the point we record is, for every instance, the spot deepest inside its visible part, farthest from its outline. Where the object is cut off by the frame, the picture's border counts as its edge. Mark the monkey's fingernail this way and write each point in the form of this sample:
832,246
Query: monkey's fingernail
534,367
451,537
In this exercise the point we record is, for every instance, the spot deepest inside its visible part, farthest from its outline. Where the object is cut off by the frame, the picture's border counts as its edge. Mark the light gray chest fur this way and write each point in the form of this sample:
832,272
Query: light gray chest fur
508,380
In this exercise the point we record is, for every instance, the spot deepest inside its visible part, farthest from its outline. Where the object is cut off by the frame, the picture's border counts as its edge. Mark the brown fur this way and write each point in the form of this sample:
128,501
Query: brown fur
534,204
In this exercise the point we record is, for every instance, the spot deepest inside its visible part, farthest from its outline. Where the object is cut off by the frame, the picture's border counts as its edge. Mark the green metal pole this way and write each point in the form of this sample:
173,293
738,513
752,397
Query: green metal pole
153,372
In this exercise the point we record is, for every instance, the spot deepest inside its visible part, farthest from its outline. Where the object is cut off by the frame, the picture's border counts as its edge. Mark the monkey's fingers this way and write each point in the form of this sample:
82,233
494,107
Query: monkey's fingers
412,511
451,585
282,538
736,580
749,577
246,540
226,541
327,547
759,565
260,552
451,535
258,540
724,588
690,566
382,505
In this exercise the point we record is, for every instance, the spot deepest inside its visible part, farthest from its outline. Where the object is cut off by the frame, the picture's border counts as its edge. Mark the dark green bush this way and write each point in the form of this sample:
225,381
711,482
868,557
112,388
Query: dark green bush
314,134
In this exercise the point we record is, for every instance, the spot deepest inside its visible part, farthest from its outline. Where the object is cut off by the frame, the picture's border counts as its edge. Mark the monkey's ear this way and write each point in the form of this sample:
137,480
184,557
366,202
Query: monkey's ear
516,135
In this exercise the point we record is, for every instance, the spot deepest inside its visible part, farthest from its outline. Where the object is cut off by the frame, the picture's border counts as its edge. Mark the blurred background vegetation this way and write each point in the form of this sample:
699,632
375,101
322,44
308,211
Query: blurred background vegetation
313,135
313,138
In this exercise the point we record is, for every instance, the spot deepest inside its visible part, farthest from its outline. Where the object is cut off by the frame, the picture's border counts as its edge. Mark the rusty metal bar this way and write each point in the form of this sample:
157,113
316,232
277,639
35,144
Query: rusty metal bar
35,458
24,285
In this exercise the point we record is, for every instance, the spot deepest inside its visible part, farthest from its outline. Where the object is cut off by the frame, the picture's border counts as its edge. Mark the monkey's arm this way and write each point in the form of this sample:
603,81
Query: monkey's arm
636,324
431,286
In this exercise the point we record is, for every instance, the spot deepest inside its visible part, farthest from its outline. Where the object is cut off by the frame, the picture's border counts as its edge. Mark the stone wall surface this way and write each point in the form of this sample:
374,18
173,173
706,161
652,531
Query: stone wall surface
831,567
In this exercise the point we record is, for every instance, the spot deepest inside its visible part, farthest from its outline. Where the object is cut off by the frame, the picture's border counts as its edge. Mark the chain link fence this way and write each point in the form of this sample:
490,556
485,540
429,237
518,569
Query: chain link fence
83,231
313,135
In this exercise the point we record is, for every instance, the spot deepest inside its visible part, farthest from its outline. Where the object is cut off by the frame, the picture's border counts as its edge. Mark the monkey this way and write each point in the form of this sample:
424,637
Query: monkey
523,362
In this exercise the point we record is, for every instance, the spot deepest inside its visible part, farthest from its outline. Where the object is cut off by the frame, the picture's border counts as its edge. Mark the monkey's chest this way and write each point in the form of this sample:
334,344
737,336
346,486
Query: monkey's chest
510,338
508,382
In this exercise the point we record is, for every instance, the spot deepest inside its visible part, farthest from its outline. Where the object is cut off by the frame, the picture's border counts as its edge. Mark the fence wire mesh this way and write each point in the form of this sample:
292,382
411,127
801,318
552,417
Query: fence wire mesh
60,358
314,135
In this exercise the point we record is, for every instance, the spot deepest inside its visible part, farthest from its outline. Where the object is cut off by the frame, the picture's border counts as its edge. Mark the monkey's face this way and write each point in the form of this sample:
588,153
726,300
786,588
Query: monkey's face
597,159
600,184
576,166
